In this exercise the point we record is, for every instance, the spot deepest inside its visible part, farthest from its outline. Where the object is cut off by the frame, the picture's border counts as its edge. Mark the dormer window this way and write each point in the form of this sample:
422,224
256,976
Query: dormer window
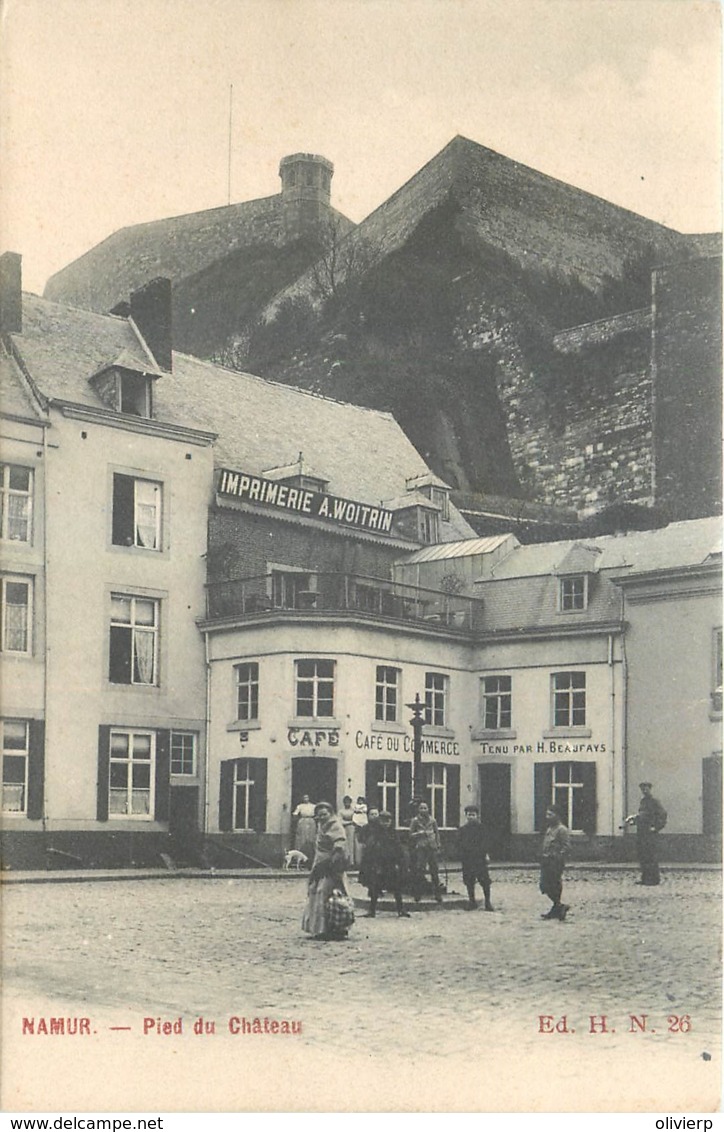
298,475
124,388
415,517
305,483
434,489
427,525
441,497
575,573
573,593
134,394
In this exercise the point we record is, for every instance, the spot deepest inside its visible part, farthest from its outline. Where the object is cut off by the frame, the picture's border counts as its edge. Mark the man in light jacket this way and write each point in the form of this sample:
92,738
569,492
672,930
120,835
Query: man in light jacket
554,852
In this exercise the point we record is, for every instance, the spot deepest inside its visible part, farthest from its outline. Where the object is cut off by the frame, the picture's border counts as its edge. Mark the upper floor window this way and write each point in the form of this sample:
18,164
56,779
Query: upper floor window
292,589
134,640
247,691
569,699
132,773
15,751
497,703
16,496
716,690
436,692
136,512
573,593
386,693
315,688
16,614
183,752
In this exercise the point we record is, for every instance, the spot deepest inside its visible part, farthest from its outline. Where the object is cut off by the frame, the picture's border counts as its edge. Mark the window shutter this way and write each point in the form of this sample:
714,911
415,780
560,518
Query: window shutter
123,507
104,761
226,795
405,792
373,774
452,806
163,768
36,769
257,806
587,772
543,793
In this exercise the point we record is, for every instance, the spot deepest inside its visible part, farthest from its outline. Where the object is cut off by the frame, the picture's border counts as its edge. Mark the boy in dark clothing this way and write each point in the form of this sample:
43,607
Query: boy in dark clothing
473,846
383,863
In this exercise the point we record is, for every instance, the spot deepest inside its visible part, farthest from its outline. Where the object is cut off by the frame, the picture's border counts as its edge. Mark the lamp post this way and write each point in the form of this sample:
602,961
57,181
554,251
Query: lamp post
417,722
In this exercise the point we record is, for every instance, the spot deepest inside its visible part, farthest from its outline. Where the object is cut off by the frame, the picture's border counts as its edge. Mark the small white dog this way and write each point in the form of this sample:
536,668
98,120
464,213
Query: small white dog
294,859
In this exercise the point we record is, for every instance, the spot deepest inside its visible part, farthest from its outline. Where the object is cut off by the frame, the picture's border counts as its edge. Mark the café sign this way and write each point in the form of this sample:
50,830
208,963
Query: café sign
315,504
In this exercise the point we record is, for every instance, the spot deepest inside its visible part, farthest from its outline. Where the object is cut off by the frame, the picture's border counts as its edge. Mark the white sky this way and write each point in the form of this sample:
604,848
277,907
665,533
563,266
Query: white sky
117,111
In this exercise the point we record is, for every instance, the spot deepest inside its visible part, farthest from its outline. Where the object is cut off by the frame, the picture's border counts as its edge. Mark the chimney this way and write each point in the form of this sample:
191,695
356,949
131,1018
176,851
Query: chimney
11,302
151,312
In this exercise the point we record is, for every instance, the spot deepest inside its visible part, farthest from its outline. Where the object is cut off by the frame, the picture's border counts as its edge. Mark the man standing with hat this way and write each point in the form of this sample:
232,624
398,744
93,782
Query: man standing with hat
648,821
473,845
554,852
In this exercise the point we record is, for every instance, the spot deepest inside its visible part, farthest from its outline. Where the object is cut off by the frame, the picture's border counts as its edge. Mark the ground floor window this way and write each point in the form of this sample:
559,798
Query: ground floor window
131,779
243,795
571,788
133,773
16,750
388,786
442,793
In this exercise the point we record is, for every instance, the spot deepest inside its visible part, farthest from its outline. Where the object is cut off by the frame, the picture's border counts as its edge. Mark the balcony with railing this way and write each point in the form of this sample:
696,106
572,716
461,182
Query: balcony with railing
308,594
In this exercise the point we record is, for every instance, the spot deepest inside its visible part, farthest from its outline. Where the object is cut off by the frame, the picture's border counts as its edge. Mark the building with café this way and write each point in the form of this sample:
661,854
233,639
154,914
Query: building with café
125,471
220,594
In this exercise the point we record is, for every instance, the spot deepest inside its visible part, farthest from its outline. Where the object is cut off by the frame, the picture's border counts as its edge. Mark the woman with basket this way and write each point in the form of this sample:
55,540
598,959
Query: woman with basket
329,911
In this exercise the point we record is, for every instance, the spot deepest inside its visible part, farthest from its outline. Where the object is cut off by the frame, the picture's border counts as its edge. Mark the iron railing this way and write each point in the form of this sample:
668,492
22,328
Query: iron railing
309,593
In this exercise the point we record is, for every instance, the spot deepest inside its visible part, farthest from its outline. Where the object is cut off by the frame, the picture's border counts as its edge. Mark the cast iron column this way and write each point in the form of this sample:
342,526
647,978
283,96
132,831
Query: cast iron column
417,723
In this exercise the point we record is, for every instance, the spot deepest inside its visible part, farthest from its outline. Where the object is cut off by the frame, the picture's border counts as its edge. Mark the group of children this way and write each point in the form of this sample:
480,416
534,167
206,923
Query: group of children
383,864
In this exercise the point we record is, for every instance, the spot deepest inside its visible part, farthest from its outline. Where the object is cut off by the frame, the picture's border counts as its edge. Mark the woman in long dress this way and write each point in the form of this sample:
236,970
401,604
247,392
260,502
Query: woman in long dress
346,814
306,829
328,873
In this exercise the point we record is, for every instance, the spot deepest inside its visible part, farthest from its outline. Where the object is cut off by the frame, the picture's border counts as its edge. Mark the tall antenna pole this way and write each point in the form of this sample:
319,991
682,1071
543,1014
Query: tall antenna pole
231,104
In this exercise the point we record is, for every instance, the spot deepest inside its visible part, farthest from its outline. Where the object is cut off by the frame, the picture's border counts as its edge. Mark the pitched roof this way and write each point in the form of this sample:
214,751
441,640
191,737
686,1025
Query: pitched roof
63,347
15,400
363,453
523,592
688,543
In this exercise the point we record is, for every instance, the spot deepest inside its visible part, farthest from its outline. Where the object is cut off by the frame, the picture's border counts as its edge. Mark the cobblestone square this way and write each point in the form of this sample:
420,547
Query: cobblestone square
440,1010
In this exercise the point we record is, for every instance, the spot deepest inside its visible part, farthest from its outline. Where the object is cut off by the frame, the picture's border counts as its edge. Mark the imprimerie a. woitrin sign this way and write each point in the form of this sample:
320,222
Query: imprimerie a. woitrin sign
314,504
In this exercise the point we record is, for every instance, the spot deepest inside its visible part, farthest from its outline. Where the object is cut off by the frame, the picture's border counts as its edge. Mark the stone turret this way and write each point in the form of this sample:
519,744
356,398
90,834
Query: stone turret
306,182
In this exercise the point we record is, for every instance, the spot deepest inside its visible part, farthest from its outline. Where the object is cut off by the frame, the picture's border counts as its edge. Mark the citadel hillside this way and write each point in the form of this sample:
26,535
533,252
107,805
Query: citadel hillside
535,342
